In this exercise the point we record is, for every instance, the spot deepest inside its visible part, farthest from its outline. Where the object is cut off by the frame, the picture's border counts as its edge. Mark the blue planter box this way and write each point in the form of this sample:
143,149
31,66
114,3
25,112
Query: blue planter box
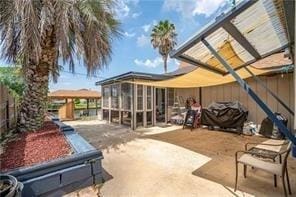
61,176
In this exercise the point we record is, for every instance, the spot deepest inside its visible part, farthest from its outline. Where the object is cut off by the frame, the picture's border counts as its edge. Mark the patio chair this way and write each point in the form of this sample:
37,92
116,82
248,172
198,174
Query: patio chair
252,158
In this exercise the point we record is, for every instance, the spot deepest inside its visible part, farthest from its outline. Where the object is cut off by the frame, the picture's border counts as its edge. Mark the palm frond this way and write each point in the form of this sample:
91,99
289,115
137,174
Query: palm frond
163,37
75,29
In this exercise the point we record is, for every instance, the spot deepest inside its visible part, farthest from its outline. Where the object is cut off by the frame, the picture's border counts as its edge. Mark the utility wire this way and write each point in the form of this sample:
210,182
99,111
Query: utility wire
83,74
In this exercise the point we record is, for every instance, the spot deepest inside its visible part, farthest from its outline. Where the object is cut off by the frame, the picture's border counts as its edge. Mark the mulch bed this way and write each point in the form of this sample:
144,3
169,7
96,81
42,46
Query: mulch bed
30,148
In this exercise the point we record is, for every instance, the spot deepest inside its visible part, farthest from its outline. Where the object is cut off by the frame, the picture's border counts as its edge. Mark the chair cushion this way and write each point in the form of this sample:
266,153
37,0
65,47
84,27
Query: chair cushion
272,148
274,168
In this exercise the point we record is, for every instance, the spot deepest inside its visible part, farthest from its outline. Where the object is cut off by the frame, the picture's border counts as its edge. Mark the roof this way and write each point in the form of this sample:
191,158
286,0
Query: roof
82,93
129,76
181,70
251,31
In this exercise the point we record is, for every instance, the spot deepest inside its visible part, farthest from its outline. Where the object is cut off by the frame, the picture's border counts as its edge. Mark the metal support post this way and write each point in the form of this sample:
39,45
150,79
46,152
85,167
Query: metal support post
251,93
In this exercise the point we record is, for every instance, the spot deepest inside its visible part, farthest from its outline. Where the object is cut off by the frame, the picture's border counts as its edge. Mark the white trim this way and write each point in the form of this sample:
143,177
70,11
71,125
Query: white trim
119,104
106,86
139,110
144,106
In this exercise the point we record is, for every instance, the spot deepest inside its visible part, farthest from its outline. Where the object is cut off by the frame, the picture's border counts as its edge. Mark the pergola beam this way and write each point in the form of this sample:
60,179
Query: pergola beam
237,35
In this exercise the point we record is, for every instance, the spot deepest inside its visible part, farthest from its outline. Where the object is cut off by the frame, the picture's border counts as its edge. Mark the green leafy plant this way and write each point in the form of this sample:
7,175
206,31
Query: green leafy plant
77,101
12,78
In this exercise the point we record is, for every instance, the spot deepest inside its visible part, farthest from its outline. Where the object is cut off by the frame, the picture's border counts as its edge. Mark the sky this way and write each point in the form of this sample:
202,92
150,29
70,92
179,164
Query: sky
133,51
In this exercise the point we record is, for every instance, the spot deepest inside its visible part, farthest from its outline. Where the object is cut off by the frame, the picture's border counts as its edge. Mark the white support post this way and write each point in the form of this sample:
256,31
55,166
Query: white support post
109,103
154,106
144,106
166,105
134,119
120,103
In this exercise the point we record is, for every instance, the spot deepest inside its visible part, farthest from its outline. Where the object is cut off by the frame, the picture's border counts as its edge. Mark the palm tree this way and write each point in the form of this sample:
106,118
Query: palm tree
38,33
164,37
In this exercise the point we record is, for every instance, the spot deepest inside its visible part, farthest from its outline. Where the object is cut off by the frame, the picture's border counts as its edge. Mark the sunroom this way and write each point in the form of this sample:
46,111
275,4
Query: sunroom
136,105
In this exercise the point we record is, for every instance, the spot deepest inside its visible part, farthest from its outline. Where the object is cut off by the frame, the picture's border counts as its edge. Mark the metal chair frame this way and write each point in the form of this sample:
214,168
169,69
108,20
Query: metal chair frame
282,162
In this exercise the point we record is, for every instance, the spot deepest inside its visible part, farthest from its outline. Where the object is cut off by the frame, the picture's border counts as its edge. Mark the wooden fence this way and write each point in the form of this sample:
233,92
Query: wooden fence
8,110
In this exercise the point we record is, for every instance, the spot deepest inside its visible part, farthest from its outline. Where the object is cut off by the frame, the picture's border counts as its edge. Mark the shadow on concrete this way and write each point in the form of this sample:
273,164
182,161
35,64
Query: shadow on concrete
221,148
106,136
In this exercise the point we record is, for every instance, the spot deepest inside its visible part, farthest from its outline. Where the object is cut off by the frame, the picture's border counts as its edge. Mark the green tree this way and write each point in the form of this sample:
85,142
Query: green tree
164,38
39,32
11,77
77,101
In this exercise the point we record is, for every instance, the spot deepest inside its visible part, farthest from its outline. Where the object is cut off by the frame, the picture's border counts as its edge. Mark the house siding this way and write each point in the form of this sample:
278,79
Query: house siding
281,85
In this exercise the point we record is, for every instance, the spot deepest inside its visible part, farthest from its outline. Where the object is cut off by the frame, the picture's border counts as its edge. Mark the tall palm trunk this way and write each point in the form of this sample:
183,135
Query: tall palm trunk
34,102
165,63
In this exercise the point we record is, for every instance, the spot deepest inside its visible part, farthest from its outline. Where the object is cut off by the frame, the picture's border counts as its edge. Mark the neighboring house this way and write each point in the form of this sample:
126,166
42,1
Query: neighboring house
128,99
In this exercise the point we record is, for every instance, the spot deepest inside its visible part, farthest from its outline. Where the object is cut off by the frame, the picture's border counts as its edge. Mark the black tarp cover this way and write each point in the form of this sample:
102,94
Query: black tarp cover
225,115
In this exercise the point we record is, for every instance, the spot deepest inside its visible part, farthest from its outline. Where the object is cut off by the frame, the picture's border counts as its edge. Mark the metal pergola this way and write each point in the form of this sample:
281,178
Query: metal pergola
279,21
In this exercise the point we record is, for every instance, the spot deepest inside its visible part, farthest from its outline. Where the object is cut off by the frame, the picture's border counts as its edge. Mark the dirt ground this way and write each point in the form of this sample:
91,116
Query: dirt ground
174,162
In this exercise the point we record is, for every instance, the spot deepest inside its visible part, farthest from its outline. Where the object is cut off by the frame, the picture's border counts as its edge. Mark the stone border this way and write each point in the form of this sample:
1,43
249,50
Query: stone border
64,175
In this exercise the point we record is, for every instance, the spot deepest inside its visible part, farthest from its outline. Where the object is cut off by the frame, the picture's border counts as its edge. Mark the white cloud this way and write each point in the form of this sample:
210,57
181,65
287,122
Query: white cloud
136,14
129,35
149,63
143,40
134,2
123,8
153,63
146,27
149,26
190,8
208,7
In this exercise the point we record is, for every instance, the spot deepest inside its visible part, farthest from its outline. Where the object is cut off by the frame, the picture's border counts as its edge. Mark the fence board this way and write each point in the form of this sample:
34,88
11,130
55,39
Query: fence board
7,110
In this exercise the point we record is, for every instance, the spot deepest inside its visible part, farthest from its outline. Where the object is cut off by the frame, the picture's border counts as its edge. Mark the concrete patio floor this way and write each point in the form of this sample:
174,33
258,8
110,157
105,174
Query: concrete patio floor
170,162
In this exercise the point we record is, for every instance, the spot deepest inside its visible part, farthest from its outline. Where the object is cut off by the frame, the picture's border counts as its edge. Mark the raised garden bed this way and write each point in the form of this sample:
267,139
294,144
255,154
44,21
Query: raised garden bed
53,161
32,148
